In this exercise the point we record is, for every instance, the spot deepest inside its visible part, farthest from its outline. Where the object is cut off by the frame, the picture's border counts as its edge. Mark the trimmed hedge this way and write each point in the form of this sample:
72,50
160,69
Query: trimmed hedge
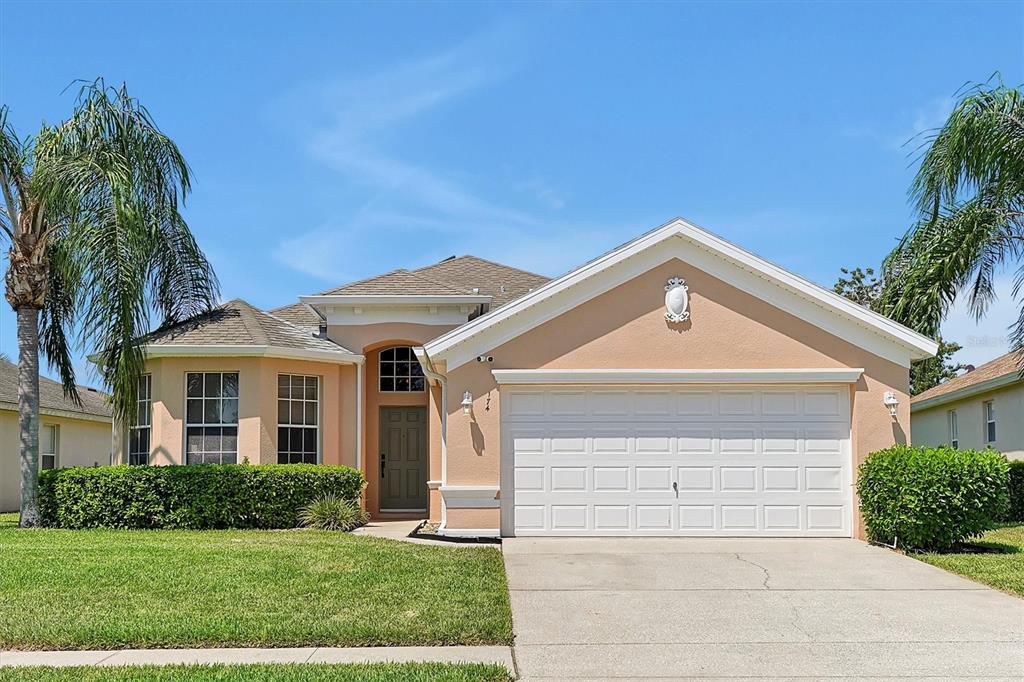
1016,510
926,498
201,496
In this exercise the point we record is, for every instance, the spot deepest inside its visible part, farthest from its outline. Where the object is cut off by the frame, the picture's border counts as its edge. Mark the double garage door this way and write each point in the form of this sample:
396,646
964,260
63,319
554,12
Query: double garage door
691,460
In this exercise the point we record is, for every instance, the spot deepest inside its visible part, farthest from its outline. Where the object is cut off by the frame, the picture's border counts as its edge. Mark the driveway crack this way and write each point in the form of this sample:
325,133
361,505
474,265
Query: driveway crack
767,576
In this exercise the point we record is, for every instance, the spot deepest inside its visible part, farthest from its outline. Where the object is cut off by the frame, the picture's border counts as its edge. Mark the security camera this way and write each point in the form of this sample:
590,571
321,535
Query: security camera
485,358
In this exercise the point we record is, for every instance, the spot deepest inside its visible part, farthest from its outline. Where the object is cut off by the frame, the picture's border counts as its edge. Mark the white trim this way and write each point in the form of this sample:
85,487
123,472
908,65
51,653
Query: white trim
394,300
803,375
432,375
966,392
360,380
471,496
468,532
705,251
217,350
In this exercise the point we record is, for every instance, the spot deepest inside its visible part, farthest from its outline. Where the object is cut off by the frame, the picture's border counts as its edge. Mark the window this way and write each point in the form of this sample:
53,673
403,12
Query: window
139,433
954,432
48,437
400,371
298,416
211,417
990,422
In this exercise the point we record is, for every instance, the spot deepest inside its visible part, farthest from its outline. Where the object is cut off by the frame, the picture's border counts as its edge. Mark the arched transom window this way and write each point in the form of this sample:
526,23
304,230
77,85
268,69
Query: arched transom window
400,371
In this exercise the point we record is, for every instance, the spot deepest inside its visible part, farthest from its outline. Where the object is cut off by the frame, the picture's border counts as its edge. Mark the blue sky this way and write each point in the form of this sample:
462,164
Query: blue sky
333,141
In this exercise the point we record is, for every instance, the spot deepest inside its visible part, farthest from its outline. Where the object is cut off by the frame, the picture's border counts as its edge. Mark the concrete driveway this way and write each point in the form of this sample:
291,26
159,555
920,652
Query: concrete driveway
685,608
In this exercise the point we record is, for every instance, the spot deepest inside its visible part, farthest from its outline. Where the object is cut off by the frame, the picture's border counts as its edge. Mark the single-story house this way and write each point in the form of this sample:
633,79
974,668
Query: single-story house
69,434
976,410
677,385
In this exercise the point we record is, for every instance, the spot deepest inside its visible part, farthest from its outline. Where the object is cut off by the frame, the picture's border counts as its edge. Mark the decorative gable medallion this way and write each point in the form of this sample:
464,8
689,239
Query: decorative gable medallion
677,300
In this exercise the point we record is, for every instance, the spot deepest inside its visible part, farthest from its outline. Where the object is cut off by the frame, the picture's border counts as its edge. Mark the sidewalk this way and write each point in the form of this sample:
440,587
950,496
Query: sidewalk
497,655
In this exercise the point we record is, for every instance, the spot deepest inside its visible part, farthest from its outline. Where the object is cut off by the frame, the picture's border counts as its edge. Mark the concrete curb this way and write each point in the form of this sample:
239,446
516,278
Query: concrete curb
497,655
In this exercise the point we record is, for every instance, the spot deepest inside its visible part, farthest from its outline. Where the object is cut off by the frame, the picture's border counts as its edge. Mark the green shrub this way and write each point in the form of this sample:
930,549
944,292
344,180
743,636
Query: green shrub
1016,508
331,512
193,497
931,498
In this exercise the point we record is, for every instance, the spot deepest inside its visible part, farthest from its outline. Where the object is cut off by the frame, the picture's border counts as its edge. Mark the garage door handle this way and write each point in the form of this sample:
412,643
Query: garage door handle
675,487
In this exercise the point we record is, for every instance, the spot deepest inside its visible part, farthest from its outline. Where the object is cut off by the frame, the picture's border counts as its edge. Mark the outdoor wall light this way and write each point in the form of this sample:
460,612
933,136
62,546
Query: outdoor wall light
891,402
467,402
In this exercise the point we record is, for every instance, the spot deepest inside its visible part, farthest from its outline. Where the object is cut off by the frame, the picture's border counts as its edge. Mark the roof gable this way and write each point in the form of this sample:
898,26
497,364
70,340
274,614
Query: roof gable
690,244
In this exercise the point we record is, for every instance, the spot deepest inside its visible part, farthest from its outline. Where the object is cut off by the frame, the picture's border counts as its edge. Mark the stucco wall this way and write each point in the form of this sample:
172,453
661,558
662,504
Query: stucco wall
257,406
625,328
931,426
79,443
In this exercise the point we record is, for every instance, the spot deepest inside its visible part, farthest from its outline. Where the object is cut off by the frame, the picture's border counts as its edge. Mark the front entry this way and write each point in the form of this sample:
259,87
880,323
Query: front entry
403,459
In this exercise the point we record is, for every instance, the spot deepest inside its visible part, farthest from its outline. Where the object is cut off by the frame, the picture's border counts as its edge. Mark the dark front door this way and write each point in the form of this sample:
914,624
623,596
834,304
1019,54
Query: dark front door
403,459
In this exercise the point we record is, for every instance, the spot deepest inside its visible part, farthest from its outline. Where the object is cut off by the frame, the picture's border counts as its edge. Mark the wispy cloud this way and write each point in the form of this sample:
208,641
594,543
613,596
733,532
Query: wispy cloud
913,128
984,339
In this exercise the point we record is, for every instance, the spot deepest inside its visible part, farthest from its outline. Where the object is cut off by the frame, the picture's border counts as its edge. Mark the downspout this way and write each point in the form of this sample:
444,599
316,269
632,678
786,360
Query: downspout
432,374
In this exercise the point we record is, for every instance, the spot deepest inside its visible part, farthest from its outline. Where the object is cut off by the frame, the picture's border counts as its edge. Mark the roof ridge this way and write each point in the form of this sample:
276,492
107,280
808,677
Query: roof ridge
967,379
484,260
327,292
255,329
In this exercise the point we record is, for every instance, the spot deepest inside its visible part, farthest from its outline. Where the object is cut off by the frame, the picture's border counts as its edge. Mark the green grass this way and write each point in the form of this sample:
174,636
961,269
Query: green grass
108,589
307,672
1002,568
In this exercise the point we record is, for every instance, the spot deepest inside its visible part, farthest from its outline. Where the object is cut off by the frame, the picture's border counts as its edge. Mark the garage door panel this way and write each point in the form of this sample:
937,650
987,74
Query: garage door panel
776,463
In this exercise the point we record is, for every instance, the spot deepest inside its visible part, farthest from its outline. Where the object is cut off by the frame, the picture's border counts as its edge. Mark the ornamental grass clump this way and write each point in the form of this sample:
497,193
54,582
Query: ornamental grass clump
932,499
331,512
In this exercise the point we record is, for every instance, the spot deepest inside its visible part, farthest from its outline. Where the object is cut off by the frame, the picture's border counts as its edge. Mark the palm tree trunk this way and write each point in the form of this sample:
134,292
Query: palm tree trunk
28,412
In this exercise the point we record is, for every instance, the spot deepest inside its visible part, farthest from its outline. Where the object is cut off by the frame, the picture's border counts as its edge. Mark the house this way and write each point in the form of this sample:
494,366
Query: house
677,385
69,434
982,408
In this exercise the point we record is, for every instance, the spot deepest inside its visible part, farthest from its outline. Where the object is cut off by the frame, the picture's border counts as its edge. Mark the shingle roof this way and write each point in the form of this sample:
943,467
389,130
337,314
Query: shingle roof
299,314
502,283
237,323
1001,366
453,276
51,394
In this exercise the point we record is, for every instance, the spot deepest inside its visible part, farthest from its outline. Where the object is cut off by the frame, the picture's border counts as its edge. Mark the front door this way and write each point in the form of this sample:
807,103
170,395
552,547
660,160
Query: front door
403,459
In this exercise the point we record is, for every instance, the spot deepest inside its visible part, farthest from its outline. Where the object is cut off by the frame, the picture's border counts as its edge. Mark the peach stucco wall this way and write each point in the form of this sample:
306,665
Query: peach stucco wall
626,328
370,339
257,406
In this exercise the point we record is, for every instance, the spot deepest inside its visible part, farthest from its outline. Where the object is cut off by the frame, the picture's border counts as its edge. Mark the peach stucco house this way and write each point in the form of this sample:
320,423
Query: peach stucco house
677,385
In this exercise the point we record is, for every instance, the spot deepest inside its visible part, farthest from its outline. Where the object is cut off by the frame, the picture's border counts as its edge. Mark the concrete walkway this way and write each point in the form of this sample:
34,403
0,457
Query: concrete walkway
674,608
402,530
497,655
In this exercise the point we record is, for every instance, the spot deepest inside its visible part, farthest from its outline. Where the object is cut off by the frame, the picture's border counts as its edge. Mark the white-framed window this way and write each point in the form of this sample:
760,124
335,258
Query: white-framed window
298,419
400,371
954,430
139,433
211,417
49,442
990,421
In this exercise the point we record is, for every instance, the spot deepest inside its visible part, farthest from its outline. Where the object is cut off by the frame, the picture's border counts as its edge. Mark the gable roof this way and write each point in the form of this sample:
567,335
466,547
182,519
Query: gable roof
993,374
704,250
238,328
453,276
51,396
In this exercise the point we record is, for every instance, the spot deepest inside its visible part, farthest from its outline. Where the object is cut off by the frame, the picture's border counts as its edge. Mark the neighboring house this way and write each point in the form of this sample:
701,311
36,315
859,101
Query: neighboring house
982,408
617,399
69,435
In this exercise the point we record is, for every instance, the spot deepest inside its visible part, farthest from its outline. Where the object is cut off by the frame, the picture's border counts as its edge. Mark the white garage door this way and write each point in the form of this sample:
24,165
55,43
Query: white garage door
729,460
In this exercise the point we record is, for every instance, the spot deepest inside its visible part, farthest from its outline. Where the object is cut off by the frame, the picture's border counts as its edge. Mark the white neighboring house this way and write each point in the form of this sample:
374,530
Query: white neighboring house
982,408
69,434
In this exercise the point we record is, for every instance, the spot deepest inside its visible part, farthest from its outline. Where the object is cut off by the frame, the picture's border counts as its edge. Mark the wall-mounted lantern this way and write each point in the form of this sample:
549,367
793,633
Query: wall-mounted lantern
467,402
891,402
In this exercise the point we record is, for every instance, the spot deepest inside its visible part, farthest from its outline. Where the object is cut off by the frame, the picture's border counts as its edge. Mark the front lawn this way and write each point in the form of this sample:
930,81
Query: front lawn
307,672
106,589
1002,568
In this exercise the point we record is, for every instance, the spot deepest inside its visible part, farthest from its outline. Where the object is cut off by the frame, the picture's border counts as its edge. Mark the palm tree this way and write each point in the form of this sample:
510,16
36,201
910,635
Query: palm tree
969,192
97,248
